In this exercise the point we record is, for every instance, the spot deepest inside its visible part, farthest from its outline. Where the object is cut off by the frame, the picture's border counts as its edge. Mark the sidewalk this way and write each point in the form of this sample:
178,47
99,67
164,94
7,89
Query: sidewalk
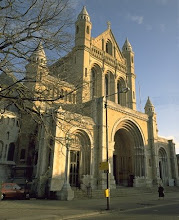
53,209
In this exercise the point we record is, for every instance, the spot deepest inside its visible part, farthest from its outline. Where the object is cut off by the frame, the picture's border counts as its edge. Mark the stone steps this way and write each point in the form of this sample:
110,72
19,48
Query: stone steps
119,192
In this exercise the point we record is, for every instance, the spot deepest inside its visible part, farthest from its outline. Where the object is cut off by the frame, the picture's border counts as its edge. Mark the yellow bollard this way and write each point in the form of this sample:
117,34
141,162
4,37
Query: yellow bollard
106,192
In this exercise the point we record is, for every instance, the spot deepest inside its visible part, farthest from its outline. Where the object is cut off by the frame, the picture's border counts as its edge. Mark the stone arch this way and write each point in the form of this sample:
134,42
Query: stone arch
163,165
121,97
129,152
80,156
96,81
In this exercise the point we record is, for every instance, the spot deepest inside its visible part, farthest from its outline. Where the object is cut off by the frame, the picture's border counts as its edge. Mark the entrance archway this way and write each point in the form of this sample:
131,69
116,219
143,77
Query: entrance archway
80,157
128,157
163,167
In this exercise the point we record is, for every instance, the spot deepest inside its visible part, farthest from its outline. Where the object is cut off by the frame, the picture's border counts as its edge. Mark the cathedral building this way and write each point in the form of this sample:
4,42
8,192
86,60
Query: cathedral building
95,120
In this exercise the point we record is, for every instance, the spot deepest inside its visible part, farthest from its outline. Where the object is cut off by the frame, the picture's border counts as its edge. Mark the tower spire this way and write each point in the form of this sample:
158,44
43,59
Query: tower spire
109,24
83,15
39,55
127,46
83,29
149,107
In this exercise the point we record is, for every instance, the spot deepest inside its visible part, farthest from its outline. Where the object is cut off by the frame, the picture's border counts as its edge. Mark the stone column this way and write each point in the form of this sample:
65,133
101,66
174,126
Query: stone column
42,169
173,162
66,193
111,151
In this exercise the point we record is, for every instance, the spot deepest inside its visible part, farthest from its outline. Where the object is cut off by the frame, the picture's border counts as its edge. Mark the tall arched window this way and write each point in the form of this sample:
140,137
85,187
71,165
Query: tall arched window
87,30
106,85
10,156
77,29
94,83
102,44
121,96
109,47
118,92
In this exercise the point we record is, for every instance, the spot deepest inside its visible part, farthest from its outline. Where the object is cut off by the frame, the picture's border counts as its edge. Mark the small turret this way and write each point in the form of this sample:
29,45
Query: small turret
83,29
37,66
83,15
39,56
149,108
127,46
129,55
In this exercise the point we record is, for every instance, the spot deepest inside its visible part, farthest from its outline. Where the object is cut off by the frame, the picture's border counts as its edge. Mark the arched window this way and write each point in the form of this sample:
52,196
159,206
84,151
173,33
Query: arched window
77,29
114,52
121,96
109,47
133,95
65,95
10,156
94,83
8,135
74,98
69,97
102,44
87,30
106,85
62,94
85,72
22,155
118,92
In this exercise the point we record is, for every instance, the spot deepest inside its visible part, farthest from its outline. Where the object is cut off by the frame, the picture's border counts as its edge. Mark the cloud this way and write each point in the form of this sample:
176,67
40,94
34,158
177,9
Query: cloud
136,18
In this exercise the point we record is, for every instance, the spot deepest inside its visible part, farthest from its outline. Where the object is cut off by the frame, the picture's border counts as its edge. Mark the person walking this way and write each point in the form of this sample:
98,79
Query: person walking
161,192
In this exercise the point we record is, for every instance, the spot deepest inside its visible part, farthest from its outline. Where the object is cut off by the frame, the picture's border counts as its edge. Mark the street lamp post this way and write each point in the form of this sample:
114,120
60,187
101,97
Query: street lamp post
124,90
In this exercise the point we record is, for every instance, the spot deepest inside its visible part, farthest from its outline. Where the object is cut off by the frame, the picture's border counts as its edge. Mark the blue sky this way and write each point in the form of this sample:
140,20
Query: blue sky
152,28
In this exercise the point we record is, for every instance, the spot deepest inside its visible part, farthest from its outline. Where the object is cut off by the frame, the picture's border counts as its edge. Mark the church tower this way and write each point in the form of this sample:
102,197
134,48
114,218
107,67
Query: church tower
152,135
82,54
83,29
37,66
152,123
129,55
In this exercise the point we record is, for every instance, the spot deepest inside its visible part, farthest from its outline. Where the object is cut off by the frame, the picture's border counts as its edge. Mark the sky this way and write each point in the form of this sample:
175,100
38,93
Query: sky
152,28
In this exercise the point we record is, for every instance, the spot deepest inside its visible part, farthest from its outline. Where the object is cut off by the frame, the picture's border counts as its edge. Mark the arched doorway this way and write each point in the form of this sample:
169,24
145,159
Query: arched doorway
128,157
163,167
80,157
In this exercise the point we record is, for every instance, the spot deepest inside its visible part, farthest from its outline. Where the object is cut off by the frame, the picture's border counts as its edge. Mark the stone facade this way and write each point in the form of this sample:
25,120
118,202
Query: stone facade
93,116
9,129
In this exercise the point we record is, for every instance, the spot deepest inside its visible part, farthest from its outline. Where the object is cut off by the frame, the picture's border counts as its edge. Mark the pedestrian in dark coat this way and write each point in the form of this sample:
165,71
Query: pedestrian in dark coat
161,192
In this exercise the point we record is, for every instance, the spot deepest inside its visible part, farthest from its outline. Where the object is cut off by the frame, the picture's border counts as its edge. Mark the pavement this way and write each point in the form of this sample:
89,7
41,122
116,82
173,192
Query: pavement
35,209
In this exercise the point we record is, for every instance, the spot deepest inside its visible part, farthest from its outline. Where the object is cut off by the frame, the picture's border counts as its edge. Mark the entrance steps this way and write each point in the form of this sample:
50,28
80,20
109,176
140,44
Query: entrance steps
119,192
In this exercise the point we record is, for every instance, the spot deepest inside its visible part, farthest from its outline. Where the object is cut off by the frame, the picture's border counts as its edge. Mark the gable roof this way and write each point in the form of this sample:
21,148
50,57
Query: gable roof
108,34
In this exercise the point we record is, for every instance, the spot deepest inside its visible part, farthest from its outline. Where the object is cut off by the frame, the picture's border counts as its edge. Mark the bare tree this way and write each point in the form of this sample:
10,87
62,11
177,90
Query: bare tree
23,24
